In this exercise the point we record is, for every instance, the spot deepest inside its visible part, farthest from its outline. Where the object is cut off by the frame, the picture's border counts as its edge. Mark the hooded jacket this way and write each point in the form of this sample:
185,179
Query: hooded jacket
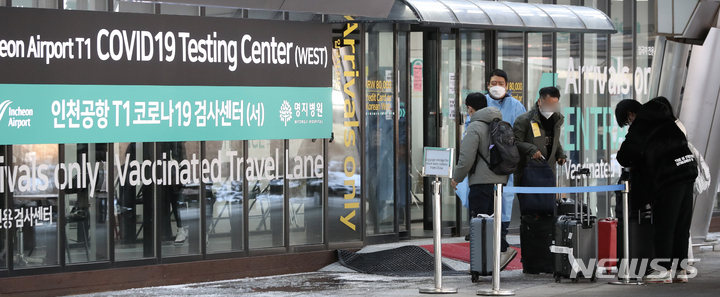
477,140
656,150
528,143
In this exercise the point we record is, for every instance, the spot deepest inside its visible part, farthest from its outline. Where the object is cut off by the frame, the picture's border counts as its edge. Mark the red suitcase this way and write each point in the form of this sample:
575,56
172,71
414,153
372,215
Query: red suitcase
607,242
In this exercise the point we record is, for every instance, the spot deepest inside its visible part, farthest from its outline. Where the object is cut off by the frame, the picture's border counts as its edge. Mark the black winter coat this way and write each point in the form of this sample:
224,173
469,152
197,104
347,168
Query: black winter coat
657,151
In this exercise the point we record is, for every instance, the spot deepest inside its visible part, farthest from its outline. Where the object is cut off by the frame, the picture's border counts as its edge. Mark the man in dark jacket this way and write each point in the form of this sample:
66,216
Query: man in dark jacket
537,136
537,132
657,149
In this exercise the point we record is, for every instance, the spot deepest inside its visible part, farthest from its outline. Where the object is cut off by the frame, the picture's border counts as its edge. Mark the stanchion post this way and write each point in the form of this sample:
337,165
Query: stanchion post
496,291
437,242
624,262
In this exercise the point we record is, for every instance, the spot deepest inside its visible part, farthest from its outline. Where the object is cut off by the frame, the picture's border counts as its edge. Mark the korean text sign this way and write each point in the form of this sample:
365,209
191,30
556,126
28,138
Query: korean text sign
115,77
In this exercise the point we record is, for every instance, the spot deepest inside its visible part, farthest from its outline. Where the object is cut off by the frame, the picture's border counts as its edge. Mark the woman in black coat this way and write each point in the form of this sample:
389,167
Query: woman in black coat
656,152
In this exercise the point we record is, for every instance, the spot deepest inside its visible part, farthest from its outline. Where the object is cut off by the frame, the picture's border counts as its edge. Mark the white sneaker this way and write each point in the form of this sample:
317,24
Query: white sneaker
681,276
658,277
181,236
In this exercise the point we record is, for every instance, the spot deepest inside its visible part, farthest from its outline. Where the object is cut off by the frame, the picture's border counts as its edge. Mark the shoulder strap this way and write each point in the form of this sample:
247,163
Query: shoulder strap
490,136
481,156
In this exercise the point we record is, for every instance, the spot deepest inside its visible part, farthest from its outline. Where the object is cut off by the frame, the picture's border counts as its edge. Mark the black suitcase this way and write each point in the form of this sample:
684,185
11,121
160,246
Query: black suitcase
641,235
536,237
578,232
481,246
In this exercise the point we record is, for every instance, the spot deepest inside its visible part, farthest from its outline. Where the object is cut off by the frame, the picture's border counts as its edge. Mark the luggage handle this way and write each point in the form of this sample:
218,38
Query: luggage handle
482,215
578,208
643,213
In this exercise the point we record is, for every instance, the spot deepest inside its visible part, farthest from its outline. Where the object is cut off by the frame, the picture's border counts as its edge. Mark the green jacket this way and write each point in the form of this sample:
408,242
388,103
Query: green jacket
527,142
477,139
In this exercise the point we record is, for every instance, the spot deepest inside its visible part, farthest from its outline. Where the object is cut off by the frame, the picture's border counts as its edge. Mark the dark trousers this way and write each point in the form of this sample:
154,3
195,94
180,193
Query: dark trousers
672,216
482,201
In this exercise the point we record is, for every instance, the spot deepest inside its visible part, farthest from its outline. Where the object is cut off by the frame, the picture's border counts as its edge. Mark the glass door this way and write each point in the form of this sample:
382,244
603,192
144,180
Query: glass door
448,121
380,129
416,132
433,112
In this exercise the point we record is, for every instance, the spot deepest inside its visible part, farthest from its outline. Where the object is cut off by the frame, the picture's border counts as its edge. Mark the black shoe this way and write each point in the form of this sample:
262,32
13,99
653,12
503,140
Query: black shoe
467,237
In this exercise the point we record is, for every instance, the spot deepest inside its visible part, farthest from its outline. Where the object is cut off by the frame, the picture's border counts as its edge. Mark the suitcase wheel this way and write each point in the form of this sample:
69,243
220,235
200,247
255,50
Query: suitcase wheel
474,277
575,280
593,279
557,278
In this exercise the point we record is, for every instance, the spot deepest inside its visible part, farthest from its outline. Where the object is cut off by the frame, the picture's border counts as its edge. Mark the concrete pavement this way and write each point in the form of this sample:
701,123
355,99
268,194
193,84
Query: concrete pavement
336,280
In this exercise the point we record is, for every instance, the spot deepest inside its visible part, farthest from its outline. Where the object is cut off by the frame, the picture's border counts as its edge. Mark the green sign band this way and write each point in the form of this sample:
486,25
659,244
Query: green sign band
34,114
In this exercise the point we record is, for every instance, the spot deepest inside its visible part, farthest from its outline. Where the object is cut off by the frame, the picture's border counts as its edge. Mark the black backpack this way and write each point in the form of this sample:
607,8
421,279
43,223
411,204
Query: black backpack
504,155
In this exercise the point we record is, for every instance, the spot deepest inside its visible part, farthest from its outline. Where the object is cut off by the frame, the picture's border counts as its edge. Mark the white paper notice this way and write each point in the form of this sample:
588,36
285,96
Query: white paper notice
437,162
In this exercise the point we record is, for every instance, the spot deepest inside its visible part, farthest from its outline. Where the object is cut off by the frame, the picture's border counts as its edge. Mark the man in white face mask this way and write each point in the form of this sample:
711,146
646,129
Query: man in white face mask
537,136
537,132
499,97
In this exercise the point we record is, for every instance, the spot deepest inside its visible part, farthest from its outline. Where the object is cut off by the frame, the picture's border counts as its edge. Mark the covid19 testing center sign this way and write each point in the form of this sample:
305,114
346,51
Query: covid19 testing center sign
94,77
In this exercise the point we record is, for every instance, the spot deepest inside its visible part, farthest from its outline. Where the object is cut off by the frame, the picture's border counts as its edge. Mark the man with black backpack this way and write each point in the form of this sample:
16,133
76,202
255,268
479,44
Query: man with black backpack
487,156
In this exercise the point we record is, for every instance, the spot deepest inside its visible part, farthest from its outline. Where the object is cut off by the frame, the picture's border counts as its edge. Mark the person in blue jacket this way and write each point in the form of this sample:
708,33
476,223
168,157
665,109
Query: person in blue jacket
498,96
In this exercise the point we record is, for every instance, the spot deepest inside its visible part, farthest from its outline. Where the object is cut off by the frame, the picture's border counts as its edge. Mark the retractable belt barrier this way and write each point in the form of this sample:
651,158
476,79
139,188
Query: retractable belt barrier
561,190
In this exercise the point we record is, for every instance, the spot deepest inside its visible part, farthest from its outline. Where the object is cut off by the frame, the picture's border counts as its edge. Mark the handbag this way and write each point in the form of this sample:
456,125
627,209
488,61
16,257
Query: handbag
537,173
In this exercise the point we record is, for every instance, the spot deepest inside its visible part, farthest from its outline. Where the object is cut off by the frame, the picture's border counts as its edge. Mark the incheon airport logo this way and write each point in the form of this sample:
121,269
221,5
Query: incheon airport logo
18,117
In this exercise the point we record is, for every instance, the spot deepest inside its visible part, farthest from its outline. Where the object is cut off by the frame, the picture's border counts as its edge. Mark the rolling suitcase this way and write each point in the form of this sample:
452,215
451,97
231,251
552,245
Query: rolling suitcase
575,240
481,246
536,237
607,242
641,236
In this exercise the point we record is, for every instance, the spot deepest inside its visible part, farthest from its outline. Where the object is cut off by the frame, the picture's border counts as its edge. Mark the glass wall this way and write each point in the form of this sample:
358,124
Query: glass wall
33,219
179,203
134,7
305,177
134,202
3,227
35,3
85,4
601,117
265,176
645,48
472,66
86,203
511,59
472,79
619,73
539,64
224,200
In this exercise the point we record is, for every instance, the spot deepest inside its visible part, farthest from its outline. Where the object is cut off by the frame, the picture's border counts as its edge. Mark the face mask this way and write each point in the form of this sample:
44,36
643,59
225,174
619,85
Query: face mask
547,114
497,92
